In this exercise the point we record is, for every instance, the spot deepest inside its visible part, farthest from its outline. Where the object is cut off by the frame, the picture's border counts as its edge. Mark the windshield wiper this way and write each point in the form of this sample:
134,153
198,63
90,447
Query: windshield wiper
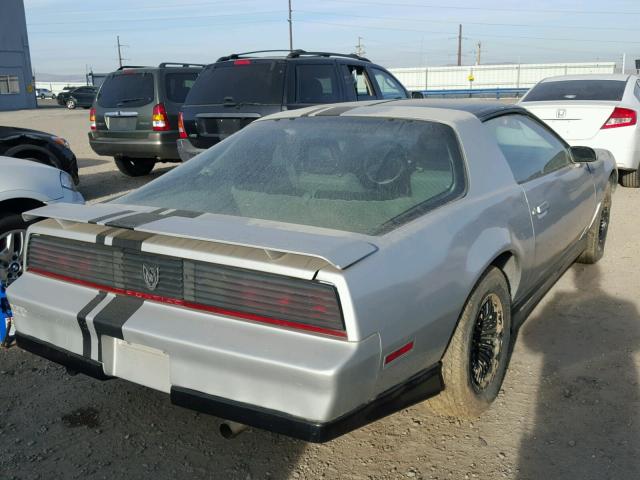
129,100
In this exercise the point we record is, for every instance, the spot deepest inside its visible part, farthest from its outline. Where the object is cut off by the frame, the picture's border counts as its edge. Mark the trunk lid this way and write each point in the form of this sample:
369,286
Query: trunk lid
571,120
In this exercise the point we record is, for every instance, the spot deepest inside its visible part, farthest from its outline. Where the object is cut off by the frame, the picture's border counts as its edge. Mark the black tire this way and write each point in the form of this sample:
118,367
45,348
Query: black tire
135,167
484,329
53,96
10,222
42,97
70,104
597,234
630,178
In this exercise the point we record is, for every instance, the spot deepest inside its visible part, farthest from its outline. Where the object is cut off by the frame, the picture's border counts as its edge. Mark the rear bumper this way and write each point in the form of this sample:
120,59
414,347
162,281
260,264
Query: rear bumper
186,150
302,378
158,145
422,386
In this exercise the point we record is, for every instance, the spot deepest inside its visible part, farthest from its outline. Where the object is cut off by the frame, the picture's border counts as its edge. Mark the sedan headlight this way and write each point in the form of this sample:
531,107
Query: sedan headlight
60,141
66,181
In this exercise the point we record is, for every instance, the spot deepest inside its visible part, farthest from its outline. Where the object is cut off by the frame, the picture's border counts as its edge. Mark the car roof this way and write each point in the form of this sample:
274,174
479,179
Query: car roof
590,76
481,109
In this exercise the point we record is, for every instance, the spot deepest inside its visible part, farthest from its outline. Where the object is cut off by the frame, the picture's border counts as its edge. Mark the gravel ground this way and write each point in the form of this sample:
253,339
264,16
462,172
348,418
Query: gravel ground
569,408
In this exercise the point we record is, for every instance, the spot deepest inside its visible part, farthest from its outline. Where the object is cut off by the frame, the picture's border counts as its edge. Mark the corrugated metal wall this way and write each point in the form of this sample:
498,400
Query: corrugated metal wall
492,76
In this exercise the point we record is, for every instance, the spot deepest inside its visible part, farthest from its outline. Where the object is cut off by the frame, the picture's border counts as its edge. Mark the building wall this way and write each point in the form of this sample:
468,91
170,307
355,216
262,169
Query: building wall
492,76
15,60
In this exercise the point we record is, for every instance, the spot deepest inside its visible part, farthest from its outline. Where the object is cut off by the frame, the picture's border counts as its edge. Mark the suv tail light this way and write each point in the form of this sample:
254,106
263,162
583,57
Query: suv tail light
92,119
159,118
621,117
181,131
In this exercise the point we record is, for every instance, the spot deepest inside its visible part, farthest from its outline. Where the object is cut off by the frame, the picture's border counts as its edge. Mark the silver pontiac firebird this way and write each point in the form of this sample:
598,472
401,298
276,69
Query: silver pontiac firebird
323,267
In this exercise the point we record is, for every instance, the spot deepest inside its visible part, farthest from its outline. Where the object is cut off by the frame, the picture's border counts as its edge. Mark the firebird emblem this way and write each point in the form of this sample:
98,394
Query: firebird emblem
151,275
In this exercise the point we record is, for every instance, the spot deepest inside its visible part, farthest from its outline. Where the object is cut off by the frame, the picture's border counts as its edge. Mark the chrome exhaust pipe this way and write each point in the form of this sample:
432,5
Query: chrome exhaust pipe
231,430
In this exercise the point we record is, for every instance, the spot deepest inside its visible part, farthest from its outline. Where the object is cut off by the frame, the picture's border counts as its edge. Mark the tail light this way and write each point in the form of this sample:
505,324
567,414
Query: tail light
242,62
92,119
181,131
621,117
159,118
238,293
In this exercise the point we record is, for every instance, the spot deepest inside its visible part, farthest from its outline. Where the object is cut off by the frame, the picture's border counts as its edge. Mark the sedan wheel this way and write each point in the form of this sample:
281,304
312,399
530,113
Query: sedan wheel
71,104
476,359
12,246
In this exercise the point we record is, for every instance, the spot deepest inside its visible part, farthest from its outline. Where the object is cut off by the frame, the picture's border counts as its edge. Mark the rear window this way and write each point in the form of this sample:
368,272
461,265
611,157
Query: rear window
364,175
255,82
577,90
177,85
127,90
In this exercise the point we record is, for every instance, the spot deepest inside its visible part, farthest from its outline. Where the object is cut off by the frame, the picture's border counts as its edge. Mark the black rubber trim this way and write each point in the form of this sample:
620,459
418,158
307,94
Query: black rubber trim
65,358
420,387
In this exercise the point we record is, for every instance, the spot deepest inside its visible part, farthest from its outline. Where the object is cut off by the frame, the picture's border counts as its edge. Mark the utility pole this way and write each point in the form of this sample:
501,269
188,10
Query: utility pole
360,48
478,53
119,52
459,44
290,29
624,62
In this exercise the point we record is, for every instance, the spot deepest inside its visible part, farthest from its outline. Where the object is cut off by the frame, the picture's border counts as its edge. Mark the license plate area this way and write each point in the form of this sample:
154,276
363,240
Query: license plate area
121,121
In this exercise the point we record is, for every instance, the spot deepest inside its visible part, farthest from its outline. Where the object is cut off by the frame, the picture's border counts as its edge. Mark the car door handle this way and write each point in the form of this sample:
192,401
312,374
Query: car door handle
541,210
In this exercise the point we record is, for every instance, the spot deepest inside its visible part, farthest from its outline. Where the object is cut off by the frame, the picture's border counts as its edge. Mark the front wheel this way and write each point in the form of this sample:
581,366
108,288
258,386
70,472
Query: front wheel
12,245
476,359
135,167
71,104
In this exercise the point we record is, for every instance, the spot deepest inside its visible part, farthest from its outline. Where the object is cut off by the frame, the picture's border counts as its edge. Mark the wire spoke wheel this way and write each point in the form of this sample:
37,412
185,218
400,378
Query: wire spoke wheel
487,342
11,253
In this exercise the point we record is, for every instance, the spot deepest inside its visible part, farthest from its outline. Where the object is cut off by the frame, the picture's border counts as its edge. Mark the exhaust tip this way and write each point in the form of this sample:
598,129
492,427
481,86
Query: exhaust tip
231,430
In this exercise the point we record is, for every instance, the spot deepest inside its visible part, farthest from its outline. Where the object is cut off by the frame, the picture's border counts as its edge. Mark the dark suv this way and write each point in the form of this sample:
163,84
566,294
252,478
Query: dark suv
239,88
135,116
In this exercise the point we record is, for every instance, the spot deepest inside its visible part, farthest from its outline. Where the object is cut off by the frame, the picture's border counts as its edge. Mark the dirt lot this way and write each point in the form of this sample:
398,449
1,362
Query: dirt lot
569,409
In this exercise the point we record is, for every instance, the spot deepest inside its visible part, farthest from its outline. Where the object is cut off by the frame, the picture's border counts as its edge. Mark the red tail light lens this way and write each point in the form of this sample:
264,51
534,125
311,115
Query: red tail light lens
621,117
181,131
92,119
159,118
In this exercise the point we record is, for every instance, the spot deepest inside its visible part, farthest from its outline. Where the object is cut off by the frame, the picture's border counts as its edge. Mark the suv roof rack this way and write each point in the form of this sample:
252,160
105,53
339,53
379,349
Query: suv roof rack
295,54
180,64
131,66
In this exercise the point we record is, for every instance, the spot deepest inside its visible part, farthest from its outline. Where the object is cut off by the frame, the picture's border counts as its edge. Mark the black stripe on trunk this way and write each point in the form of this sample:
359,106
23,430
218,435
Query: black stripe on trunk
110,320
82,322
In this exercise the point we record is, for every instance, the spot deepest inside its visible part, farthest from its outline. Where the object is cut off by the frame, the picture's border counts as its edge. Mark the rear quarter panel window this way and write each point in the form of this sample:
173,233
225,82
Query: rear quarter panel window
178,84
316,84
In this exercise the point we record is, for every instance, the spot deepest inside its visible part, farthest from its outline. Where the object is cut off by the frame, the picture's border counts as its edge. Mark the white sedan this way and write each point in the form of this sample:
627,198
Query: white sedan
599,111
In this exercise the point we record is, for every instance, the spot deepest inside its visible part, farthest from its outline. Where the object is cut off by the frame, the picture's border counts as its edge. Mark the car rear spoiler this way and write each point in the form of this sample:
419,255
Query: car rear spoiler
338,248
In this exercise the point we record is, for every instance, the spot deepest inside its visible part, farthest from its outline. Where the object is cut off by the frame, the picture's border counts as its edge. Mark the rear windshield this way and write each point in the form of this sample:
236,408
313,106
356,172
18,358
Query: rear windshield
258,82
577,90
127,90
364,175
177,85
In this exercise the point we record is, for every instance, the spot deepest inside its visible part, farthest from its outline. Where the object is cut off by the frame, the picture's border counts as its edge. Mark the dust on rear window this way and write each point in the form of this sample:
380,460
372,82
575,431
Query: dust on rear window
127,90
364,175
571,90
259,82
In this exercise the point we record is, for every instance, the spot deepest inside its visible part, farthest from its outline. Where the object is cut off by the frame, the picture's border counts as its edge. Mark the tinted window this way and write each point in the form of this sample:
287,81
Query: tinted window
316,84
365,175
577,90
177,85
257,82
636,90
530,149
127,90
388,85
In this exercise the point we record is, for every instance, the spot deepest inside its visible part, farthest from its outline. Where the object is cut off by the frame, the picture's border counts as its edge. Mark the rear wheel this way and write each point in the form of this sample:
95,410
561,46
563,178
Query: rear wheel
630,178
135,167
475,362
597,235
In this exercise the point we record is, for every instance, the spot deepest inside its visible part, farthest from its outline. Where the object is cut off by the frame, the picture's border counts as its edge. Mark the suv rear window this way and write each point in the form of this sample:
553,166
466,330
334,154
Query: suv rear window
127,90
178,84
364,175
577,90
239,82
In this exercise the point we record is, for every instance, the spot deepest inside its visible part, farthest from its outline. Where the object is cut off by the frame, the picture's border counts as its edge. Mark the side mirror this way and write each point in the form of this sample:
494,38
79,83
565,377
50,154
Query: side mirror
584,154
417,95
